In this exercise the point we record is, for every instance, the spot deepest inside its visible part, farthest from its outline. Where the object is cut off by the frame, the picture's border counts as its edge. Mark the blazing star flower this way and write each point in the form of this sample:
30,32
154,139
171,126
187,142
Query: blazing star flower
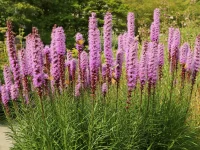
152,64
131,25
22,63
37,64
7,77
132,66
196,58
160,55
84,61
107,30
170,40
14,92
10,44
183,53
143,65
119,61
79,42
28,54
60,41
189,61
4,95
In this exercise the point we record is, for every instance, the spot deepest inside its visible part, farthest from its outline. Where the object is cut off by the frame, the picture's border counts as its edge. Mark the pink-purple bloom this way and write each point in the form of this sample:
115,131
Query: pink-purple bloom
104,88
4,95
189,61
14,92
79,42
160,55
60,38
119,62
183,53
7,77
196,58
130,24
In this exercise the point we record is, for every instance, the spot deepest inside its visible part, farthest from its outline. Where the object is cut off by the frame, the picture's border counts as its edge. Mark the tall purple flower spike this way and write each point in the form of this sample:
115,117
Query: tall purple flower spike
119,62
196,59
132,66
189,61
94,52
183,53
130,24
7,77
170,40
55,61
60,41
152,65
28,54
10,43
37,64
22,63
83,66
14,92
107,33
156,18
143,65
120,42
160,55
4,95
73,68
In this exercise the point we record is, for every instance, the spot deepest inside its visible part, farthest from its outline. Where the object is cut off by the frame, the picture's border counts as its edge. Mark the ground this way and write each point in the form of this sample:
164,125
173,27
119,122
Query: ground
5,143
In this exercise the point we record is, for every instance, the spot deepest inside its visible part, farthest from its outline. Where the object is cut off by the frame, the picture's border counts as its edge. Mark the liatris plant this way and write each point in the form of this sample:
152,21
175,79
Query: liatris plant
93,48
175,50
61,51
132,68
47,61
37,64
160,59
83,66
143,66
7,77
10,42
107,34
104,89
189,63
24,72
5,98
196,61
183,57
170,40
104,72
14,92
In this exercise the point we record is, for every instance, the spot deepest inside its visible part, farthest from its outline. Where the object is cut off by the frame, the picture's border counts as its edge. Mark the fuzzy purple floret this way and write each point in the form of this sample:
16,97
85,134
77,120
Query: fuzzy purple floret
143,64
196,58
60,41
7,77
156,23
125,41
107,34
183,53
132,69
4,95
28,54
22,63
14,92
120,42
104,70
160,54
73,63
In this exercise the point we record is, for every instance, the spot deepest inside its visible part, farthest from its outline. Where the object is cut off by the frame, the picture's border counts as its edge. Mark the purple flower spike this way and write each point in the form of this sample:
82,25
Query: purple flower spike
60,41
10,43
160,55
94,52
152,64
153,35
28,54
84,61
183,53
156,24
73,68
7,77
175,43
37,63
125,41
4,95
132,66
104,68
14,92
120,42
189,61
104,89
22,63
143,65
131,25
196,58
107,30
170,39
119,61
